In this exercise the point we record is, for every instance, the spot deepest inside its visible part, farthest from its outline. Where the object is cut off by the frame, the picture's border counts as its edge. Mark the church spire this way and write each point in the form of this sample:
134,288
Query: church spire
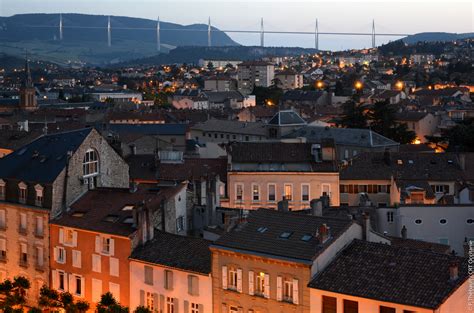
28,81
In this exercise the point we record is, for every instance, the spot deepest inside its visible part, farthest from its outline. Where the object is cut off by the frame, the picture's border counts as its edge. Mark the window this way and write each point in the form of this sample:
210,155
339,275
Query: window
193,285
288,290
168,280
39,195
39,257
304,192
383,188
169,305
326,190
260,284
194,308
444,241
22,225
470,221
77,285
232,276
350,306
61,281
390,217
255,192
115,290
106,245
96,289
386,309
3,219
114,267
2,189
271,192
68,239
23,254
148,275
77,258
440,188
3,249
180,224
288,192
96,263
22,192
90,165
239,192
233,309
60,255
443,221
418,221
39,226
150,300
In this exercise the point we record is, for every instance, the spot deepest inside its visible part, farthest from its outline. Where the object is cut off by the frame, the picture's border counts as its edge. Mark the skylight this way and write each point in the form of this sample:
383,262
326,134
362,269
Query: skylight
127,208
111,218
286,235
306,237
262,229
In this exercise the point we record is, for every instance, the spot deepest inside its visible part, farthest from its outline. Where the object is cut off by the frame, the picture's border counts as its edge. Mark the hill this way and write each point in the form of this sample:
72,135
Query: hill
85,37
433,36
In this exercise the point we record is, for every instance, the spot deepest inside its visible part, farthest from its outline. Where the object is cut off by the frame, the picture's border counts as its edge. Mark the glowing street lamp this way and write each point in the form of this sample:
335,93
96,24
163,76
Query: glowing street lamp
358,85
319,84
399,85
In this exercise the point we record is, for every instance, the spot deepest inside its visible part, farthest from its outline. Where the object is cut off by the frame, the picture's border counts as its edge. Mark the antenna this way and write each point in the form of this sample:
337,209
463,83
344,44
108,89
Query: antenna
60,26
262,34
373,34
109,33
316,36
209,43
158,39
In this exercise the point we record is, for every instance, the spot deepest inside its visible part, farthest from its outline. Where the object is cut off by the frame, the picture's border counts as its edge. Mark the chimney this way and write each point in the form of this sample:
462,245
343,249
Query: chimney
404,232
283,205
453,269
366,226
316,207
386,156
466,246
323,233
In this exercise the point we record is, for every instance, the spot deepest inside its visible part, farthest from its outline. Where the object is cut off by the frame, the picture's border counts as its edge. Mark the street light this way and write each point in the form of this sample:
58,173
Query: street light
358,85
399,85
319,84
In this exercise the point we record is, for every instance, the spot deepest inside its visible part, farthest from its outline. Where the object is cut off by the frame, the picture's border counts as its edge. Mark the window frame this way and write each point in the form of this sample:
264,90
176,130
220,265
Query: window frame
88,163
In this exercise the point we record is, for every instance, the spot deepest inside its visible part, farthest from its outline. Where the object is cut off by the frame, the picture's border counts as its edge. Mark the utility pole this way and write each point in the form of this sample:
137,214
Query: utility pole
209,43
109,33
316,36
158,39
60,26
262,34
373,34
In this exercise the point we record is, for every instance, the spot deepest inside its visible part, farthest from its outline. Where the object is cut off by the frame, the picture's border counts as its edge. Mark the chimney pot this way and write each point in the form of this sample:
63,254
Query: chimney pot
454,270
404,232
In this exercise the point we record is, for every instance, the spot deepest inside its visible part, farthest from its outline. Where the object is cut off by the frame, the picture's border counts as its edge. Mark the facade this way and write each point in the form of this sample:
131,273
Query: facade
254,73
33,190
117,96
176,281
288,80
422,123
220,84
262,174
224,131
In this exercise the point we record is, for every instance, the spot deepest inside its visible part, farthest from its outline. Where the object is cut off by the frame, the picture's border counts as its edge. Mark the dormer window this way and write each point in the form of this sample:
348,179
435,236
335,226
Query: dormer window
39,195
90,166
22,192
2,189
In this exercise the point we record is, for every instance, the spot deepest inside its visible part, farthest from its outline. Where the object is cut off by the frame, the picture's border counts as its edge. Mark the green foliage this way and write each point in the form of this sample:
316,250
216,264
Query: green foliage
13,294
267,94
108,304
353,115
54,301
142,309
460,138
35,310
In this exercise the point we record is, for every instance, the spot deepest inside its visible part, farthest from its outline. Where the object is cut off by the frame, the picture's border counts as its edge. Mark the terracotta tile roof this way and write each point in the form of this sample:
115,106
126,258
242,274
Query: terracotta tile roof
186,253
263,230
395,274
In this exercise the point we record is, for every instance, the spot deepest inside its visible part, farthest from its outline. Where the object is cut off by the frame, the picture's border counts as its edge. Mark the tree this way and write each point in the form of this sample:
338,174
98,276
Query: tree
108,304
142,309
210,66
461,137
353,115
382,121
54,301
13,294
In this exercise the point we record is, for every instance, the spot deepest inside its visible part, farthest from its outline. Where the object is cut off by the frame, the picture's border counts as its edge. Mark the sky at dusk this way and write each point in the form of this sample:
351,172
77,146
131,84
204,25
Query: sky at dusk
345,16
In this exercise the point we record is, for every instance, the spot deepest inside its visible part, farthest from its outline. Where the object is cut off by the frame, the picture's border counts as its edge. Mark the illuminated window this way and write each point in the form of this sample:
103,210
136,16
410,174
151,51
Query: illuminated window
239,192
150,301
169,305
260,284
232,279
90,165
288,290
194,308
255,192
288,192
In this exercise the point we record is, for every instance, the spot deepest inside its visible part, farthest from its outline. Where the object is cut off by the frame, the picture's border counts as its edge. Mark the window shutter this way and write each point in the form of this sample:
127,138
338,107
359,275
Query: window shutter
65,255
190,285
61,235
76,258
176,304
54,274
186,306
96,263
142,297
196,286
279,288
55,254
83,286
97,244
295,292
162,303
170,279
267,286
201,308
155,301
224,277
114,267
112,247
74,238
251,283
72,284
224,308
239,280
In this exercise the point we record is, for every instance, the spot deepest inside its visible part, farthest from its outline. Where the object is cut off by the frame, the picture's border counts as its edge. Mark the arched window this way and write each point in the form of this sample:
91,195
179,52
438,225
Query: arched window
90,166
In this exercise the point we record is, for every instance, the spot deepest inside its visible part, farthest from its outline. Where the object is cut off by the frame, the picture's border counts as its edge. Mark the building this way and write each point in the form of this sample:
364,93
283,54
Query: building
288,80
38,182
264,264
423,124
306,98
373,277
263,174
445,224
124,96
28,100
224,131
220,83
254,73
90,243
390,179
176,281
